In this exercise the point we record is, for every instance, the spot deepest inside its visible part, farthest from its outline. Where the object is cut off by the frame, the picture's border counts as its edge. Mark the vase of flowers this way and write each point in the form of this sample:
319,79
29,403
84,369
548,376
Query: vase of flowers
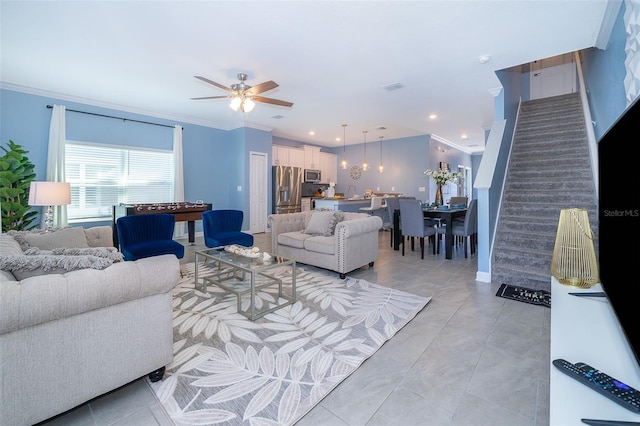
442,177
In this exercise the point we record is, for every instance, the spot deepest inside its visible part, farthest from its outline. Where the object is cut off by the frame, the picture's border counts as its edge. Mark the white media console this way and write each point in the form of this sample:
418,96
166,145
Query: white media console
585,329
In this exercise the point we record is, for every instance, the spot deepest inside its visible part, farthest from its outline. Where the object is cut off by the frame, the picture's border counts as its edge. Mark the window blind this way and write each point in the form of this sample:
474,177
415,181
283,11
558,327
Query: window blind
102,176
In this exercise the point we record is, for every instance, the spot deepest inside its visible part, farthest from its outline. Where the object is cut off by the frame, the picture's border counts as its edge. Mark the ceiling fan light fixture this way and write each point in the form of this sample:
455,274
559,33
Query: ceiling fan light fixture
235,103
247,105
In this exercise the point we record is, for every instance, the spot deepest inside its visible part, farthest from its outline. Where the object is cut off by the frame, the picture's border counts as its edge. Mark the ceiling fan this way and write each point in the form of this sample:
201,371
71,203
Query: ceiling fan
244,96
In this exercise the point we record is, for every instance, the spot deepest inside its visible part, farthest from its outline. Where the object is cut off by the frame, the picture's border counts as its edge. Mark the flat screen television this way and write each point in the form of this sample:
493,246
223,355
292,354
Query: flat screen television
619,221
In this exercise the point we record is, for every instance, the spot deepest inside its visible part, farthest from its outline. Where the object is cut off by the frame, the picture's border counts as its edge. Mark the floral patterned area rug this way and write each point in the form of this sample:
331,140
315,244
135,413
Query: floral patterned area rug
272,371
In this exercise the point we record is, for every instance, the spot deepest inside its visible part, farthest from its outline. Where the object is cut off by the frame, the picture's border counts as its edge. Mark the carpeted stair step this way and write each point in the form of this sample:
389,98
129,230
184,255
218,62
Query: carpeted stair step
531,240
529,224
550,209
529,259
537,152
540,197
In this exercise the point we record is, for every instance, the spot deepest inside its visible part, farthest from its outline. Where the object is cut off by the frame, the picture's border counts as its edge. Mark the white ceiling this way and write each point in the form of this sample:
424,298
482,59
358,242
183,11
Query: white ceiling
331,59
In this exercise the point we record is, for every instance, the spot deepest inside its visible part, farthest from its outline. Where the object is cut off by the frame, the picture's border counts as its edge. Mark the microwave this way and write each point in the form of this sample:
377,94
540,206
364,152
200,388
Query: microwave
312,175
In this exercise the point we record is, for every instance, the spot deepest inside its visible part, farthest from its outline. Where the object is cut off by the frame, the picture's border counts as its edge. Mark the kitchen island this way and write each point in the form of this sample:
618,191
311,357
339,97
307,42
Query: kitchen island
343,204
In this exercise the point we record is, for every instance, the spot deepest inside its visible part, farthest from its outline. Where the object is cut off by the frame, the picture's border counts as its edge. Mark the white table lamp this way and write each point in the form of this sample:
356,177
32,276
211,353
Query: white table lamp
49,194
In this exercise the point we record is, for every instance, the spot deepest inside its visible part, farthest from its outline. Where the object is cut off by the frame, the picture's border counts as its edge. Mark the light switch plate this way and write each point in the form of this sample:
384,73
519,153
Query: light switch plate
421,189
239,188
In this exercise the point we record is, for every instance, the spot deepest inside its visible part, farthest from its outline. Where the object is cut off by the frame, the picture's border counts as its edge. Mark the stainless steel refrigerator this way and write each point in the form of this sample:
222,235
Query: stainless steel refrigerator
287,189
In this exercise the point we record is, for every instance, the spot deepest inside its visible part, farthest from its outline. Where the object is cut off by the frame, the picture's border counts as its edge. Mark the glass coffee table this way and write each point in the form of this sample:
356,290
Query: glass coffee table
245,277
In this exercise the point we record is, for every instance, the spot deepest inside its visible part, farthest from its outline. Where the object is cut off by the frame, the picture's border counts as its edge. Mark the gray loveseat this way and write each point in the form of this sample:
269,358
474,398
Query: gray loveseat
67,337
351,244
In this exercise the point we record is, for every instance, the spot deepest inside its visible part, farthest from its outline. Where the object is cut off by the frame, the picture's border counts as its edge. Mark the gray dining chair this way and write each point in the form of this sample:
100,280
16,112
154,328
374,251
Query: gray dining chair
392,205
467,229
458,200
414,225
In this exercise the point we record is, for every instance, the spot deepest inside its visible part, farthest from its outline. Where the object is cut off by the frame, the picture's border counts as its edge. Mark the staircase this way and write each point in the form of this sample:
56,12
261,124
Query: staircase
549,170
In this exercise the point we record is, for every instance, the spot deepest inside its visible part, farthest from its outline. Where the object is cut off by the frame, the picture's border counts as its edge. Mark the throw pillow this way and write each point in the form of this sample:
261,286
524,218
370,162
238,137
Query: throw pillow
57,237
319,222
9,246
337,217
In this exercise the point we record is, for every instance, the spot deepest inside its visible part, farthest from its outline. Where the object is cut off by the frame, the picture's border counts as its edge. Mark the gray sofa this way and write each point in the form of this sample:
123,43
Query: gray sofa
67,337
351,244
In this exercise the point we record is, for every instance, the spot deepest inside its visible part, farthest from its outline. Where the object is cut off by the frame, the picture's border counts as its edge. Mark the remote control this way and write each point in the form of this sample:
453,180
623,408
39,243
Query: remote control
602,383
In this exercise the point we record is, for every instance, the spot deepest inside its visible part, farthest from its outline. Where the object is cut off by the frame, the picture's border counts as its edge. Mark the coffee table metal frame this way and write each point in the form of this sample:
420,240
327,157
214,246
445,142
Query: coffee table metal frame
242,276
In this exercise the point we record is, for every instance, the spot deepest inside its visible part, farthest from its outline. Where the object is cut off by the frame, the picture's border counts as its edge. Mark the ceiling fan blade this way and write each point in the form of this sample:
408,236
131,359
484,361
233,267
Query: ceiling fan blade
211,97
206,80
271,101
262,87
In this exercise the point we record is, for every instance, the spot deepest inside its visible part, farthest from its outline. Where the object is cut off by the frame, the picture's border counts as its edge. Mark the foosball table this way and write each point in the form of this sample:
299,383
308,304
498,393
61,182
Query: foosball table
183,211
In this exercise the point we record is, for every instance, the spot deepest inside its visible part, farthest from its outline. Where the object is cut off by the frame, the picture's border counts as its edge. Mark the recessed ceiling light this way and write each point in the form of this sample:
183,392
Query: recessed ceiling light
393,86
483,59
465,137
338,139
311,132
277,116
381,128
433,116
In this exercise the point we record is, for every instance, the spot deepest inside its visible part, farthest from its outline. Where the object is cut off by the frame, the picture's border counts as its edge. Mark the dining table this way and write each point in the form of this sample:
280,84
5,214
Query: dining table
445,214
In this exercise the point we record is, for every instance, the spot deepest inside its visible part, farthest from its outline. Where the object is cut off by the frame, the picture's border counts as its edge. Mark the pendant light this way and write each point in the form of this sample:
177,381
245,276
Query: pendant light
343,164
365,166
381,166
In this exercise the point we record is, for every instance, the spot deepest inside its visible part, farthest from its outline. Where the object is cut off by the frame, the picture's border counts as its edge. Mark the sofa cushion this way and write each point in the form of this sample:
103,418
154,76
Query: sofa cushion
57,237
293,239
320,244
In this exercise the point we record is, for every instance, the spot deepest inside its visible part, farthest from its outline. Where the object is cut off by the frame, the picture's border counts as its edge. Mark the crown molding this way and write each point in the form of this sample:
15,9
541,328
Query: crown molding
451,144
62,96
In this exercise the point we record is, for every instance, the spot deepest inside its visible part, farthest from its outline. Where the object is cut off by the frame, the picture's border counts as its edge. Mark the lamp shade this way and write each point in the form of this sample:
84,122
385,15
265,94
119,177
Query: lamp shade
49,193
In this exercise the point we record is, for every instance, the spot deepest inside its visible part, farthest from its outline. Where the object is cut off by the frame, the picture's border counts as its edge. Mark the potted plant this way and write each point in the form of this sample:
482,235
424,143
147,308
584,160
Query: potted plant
16,174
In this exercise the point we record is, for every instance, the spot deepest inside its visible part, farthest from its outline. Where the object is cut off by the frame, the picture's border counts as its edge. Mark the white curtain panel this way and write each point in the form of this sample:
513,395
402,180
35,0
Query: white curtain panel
55,160
180,229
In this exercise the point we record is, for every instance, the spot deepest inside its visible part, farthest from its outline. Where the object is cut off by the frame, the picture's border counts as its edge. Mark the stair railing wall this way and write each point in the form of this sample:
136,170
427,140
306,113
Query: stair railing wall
591,137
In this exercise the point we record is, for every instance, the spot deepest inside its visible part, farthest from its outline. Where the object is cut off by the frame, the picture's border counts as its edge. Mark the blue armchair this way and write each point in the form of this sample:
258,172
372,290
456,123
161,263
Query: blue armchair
147,235
223,227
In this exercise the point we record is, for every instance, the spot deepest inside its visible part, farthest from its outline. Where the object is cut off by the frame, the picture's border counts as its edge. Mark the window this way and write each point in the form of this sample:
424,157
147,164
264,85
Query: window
102,176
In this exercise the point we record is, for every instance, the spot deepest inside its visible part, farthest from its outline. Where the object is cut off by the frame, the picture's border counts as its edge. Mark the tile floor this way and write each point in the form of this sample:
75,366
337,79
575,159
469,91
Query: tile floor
469,358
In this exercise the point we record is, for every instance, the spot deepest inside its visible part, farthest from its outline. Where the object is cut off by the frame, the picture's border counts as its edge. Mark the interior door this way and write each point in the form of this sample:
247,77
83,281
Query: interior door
258,191
553,76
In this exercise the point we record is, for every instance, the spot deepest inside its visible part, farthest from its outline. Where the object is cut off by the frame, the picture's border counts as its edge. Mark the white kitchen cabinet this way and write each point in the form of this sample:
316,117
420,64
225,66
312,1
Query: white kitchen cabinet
287,156
279,155
311,157
296,157
329,167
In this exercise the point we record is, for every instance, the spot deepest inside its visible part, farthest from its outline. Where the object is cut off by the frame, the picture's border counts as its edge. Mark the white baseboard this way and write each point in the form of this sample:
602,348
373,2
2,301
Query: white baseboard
484,277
